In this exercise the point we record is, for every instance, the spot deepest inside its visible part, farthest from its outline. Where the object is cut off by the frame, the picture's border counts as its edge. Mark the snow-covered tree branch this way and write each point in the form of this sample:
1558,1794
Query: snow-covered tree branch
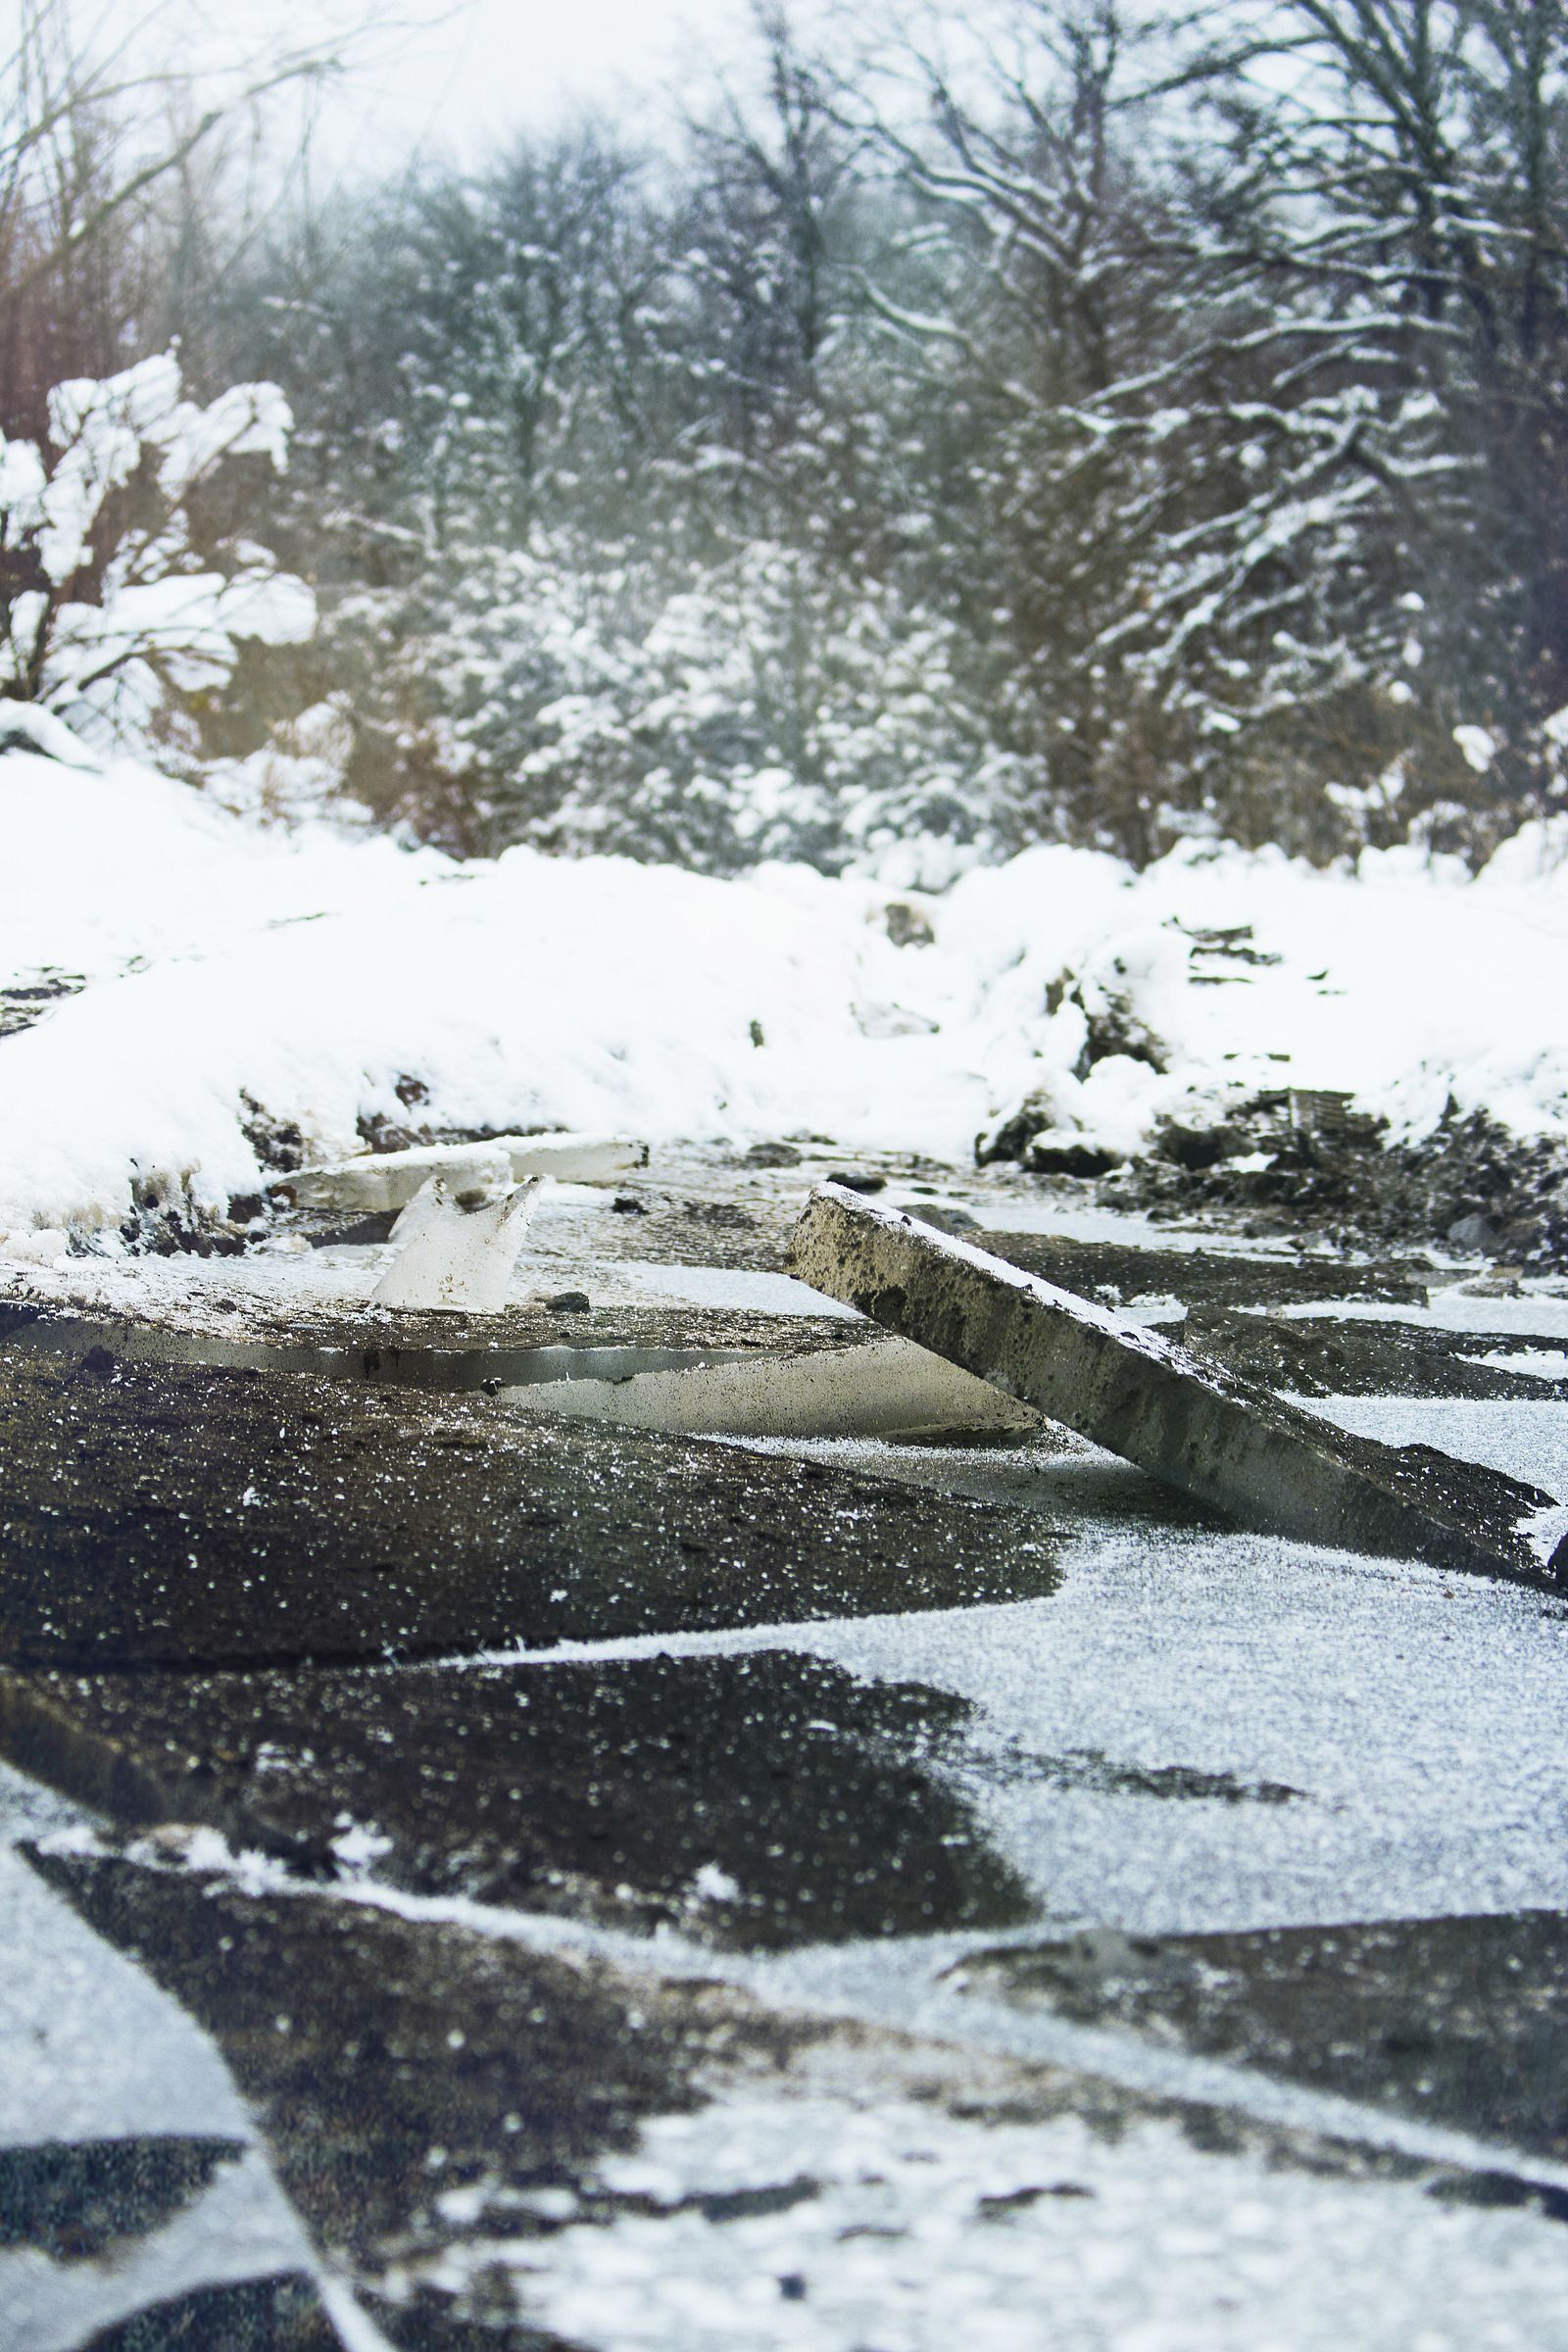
111,591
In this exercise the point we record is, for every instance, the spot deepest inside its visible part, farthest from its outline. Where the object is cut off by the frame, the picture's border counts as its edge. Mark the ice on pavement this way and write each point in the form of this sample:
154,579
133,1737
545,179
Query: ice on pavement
310,973
240,2227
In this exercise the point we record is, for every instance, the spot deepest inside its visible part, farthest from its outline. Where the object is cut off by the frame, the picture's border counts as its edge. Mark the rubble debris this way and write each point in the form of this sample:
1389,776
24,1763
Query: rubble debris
1320,1111
382,1180
908,926
1045,1141
1188,1424
459,1250
1468,1184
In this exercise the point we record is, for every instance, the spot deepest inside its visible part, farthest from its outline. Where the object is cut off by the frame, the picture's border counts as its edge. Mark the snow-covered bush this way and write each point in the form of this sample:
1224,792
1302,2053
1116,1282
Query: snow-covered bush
761,707
110,591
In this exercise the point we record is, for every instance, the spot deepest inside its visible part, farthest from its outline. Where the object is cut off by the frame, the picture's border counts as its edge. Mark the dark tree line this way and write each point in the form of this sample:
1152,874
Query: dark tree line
1159,429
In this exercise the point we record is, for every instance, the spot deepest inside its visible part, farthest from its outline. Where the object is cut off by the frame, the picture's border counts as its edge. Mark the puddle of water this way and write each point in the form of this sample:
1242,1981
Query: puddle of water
439,1368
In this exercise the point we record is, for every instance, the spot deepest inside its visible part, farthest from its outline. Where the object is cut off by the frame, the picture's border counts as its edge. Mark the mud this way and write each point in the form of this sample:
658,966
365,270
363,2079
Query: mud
1459,2022
1121,1276
170,1514
757,1801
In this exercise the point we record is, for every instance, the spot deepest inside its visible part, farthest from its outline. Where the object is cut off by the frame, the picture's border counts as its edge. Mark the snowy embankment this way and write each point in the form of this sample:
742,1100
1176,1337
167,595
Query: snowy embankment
226,969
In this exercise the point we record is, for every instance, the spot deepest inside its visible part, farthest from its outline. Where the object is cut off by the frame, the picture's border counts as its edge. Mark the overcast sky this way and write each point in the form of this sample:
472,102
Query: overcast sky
455,75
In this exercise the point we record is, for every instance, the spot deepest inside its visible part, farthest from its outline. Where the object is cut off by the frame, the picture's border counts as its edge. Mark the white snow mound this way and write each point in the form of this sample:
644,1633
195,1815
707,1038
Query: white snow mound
225,966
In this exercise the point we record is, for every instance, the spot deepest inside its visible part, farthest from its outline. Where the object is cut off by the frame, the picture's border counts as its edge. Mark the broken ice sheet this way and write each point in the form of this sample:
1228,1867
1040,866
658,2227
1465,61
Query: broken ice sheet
459,1252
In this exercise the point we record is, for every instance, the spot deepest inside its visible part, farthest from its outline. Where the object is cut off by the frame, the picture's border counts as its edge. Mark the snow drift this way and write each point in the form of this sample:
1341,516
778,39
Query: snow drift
219,971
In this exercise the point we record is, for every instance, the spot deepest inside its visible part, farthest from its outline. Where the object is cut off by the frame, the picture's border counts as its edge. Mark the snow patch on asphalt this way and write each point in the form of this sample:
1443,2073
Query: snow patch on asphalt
911,2230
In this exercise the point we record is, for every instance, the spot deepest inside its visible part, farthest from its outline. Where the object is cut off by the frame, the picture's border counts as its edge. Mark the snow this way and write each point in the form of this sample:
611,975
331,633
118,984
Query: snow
90,2049
1137,2242
309,970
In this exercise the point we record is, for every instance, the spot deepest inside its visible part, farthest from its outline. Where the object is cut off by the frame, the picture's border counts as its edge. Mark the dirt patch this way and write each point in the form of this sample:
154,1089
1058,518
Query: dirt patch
1469,1180
1339,1357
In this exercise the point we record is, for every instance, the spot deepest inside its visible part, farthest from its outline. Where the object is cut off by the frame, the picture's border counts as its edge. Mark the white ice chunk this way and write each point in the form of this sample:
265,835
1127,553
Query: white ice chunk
456,1259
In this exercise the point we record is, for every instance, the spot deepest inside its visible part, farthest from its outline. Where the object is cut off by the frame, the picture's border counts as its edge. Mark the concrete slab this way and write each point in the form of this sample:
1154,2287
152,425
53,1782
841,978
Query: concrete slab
1456,2021
887,1390
1187,1423
172,1513
757,1801
455,1256
372,1181
478,2131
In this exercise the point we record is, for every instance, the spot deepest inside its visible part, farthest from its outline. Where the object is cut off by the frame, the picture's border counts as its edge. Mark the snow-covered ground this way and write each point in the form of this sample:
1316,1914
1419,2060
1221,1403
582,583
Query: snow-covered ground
309,971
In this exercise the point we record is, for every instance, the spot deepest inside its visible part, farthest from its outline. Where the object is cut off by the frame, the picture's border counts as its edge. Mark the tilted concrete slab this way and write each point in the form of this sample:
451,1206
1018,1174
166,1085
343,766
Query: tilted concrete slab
1185,1421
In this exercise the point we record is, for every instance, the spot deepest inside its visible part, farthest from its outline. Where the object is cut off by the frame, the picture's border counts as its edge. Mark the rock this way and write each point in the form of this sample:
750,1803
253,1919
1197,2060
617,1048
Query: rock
1473,1233
568,1302
1188,1424
892,1021
772,1156
1200,1147
1009,1138
458,1256
907,927
1071,1155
